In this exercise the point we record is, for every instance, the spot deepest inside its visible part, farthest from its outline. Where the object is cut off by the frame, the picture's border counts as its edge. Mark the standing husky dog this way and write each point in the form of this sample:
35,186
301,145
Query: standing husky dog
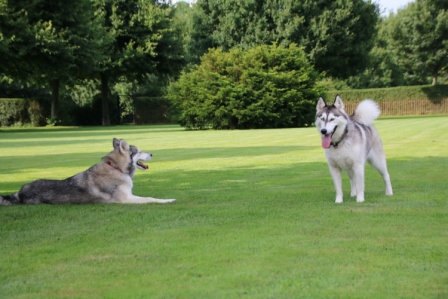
350,141
109,181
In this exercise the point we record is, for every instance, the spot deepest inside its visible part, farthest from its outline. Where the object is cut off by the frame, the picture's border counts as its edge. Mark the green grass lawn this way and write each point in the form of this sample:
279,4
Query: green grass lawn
254,218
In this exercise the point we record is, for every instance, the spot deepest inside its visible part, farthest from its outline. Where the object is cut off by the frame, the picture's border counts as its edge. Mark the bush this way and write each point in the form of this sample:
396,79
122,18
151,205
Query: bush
12,111
35,113
265,87
18,112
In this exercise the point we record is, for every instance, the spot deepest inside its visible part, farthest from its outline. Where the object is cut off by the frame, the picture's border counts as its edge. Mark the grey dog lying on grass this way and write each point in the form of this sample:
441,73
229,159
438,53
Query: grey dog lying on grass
109,181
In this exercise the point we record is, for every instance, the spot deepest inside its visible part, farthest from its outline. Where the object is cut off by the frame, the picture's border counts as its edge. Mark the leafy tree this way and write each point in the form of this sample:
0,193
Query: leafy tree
420,39
264,87
336,34
48,41
182,24
140,42
382,68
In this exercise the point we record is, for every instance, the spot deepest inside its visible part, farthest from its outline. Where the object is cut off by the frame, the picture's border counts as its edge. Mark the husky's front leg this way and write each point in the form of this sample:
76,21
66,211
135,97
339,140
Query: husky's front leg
352,182
139,200
358,174
336,175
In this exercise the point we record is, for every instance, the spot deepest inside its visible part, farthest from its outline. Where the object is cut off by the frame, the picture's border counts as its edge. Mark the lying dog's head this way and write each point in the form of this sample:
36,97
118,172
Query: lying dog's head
126,158
331,120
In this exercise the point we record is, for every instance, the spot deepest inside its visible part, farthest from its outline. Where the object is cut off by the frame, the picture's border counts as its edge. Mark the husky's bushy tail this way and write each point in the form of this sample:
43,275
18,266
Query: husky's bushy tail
366,112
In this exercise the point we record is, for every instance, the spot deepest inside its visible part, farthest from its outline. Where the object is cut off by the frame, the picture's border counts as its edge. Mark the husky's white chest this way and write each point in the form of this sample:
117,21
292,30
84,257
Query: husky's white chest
342,157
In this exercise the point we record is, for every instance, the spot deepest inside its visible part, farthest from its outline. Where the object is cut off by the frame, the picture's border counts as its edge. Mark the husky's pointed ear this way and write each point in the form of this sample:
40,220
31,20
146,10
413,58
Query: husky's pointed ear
320,104
115,142
338,103
124,146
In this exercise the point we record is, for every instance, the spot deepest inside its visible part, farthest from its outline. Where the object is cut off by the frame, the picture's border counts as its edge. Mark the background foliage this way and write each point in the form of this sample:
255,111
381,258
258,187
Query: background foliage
264,87
116,51
336,35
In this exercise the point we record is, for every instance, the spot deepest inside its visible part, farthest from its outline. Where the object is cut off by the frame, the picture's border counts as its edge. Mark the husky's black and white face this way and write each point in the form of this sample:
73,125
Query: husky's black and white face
138,156
127,158
331,120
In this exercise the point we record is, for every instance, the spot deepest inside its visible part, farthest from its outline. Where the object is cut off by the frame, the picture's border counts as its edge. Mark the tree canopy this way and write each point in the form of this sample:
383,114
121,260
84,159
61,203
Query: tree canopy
336,34
48,41
129,49
140,41
420,37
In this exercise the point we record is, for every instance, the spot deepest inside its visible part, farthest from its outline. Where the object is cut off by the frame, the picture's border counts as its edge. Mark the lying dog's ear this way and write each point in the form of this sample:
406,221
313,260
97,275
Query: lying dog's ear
338,103
115,142
124,147
320,104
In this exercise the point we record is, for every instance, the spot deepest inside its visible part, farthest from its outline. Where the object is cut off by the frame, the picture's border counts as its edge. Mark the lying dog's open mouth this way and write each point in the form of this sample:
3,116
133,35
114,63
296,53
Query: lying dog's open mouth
142,165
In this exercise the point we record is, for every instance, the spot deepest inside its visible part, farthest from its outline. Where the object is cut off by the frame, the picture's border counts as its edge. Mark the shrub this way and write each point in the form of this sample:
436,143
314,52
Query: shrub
35,113
12,111
18,111
265,87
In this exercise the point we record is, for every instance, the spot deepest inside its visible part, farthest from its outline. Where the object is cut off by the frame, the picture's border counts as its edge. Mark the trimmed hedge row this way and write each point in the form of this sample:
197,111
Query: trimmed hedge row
20,111
151,110
36,112
398,101
432,93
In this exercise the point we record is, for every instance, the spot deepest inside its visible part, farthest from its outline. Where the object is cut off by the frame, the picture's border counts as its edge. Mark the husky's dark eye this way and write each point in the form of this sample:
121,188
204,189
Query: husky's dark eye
322,118
331,119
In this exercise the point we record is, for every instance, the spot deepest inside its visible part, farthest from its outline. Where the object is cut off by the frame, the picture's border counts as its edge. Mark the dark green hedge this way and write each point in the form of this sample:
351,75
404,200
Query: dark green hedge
434,94
20,111
33,111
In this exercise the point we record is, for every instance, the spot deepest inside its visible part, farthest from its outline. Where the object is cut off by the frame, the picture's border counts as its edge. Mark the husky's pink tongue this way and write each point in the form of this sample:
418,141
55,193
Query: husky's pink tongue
326,141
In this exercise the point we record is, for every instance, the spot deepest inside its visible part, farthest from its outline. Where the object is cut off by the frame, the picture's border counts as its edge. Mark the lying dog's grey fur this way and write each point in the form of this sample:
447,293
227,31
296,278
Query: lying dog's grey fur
109,181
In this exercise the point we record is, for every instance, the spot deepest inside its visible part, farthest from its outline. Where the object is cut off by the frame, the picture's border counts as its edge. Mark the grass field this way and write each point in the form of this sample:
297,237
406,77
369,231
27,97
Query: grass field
254,218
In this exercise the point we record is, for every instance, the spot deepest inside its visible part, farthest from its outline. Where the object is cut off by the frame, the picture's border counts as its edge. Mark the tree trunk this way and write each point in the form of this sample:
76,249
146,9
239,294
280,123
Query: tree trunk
54,98
105,99
434,80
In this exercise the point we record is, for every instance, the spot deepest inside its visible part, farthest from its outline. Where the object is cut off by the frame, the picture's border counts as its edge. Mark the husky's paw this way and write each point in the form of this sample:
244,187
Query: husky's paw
338,199
360,199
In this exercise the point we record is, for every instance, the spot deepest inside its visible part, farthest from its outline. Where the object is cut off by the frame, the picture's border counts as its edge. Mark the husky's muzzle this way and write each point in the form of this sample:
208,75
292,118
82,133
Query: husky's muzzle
143,157
326,140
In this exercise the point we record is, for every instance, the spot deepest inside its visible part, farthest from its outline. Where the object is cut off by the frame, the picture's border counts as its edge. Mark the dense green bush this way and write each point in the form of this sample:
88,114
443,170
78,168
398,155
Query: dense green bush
18,111
265,87
12,111
35,113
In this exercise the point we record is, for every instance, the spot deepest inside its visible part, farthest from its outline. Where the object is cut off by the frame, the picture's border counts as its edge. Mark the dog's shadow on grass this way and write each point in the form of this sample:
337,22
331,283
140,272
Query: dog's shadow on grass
304,181
223,152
